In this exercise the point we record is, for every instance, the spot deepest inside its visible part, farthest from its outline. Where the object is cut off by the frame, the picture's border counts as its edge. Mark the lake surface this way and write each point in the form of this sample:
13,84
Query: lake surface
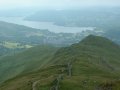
44,25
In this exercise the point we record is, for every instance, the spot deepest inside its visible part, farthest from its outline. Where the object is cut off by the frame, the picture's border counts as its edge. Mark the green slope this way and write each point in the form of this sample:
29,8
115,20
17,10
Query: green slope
95,66
30,60
95,61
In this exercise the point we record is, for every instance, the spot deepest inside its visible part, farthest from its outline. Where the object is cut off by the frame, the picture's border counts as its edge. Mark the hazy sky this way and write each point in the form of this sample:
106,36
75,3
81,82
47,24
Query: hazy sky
6,4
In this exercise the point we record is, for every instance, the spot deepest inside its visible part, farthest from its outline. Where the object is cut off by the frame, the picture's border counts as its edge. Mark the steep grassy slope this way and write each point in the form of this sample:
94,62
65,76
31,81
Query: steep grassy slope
30,60
95,61
45,77
95,66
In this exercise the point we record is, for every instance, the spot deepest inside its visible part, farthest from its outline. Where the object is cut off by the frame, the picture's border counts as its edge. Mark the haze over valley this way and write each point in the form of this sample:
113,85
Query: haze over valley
59,45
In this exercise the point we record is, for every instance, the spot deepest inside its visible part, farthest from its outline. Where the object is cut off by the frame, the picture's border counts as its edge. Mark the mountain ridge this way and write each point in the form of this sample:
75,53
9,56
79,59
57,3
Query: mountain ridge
92,65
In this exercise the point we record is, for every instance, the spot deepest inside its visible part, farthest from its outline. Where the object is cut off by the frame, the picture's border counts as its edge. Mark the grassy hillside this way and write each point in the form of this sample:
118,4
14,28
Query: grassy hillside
93,64
27,61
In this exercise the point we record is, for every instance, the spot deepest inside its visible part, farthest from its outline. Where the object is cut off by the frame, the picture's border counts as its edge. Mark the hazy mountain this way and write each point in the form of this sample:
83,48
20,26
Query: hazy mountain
90,64
113,34
106,20
99,17
15,37
26,35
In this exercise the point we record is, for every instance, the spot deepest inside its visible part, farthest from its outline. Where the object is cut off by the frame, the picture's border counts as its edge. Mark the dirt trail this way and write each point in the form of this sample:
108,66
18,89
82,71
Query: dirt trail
36,82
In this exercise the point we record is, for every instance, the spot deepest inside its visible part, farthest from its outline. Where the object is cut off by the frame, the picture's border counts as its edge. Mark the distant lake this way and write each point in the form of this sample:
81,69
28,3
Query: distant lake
44,25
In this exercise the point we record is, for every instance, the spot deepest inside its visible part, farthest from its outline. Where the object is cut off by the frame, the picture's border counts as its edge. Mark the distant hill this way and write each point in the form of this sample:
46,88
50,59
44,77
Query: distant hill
18,37
113,34
106,20
92,17
94,64
25,35
15,38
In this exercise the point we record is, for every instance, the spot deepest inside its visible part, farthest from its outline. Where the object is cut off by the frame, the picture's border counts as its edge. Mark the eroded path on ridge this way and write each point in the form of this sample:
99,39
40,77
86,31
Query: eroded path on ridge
58,79
36,82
